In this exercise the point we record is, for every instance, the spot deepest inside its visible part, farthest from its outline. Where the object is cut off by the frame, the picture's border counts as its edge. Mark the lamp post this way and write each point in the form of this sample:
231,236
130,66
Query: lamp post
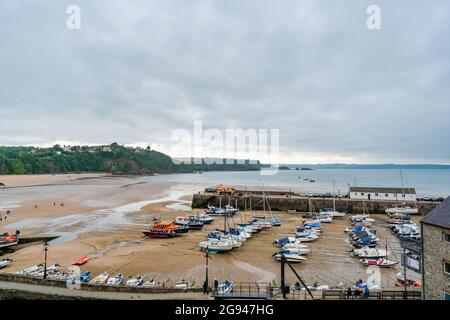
45,259
207,267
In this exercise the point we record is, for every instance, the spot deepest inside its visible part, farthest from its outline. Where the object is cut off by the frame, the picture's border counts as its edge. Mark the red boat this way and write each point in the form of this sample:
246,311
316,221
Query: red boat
81,261
9,240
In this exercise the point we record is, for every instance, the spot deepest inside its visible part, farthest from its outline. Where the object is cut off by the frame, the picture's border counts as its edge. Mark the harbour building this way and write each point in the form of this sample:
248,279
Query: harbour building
436,253
382,193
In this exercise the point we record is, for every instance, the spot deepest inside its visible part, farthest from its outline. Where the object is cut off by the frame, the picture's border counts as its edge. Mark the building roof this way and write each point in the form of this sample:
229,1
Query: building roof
439,216
383,190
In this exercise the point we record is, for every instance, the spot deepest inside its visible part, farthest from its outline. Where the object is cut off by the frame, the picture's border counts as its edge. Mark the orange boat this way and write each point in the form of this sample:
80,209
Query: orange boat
81,261
164,229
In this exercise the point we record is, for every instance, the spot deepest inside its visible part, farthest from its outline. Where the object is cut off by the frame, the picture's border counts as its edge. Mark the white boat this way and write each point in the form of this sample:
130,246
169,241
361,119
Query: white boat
149,283
296,248
369,253
307,238
206,219
183,284
51,270
216,245
30,270
100,279
291,257
381,262
333,213
325,217
225,287
402,210
135,281
361,217
117,280
5,262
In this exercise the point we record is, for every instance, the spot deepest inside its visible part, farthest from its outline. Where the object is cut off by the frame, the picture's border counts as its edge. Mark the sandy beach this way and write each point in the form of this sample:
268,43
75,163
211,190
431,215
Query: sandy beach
103,217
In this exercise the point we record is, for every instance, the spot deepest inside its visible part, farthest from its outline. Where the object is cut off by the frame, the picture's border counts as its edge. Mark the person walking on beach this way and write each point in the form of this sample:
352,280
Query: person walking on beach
216,285
205,287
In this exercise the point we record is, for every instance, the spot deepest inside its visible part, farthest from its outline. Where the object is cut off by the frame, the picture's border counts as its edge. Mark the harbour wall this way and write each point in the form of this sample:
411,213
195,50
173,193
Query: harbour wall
90,287
290,202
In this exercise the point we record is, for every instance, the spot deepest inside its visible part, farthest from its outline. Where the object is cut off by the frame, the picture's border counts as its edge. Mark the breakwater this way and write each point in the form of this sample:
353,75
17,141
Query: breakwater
278,201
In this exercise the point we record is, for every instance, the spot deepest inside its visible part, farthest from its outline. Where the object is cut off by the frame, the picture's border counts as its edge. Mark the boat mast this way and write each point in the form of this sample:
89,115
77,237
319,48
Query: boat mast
403,188
334,199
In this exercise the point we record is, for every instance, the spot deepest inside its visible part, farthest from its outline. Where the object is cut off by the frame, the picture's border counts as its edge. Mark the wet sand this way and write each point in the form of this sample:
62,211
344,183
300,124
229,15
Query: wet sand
106,219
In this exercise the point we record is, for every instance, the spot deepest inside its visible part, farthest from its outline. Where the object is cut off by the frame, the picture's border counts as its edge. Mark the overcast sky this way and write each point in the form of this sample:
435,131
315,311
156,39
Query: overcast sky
137,70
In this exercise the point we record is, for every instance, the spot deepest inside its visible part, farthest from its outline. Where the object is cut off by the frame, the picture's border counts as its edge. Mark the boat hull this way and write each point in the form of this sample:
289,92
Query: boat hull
152,234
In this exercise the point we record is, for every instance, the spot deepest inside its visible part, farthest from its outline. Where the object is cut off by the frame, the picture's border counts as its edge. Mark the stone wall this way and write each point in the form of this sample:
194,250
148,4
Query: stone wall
12,294
89,287
300,204
435,251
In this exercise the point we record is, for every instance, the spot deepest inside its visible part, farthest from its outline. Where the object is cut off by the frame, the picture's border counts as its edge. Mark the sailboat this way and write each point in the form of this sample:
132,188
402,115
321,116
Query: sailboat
332,212
402,209
290,255
382,262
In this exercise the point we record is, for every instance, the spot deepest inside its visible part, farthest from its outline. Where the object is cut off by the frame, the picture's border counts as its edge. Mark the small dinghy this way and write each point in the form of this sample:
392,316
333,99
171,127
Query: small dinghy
307,238
80,261
183,284
117,280
290,255
294,258
30,270
293,247
85,277
101,278
135,281
5,262
149,283
225,287
382,262
369,253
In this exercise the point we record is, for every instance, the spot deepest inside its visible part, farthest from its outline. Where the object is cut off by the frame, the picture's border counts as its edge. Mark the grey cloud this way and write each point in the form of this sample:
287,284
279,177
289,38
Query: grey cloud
139,69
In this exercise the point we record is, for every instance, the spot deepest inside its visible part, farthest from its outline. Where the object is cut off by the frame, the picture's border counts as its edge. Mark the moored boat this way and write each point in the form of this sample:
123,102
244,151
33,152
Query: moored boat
402,210
8,240
80,261
100,279
135,281
5,262
117,280
225,287
216,245
381,262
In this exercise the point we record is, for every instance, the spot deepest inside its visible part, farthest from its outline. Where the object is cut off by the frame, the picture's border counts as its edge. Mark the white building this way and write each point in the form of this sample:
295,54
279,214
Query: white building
380,193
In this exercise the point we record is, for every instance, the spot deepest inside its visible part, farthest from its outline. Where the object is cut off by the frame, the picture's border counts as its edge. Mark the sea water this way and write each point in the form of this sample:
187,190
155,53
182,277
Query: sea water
428,182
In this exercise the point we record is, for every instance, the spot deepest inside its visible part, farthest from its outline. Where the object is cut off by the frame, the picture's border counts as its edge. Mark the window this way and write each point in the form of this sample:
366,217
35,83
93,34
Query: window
447,237
376,194
403,195
362,193
447,267
386,195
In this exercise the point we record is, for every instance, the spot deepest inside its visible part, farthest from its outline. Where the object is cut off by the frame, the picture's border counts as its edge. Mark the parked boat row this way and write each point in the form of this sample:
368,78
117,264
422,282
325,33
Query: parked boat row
182,224
402,226
233,237
363,239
